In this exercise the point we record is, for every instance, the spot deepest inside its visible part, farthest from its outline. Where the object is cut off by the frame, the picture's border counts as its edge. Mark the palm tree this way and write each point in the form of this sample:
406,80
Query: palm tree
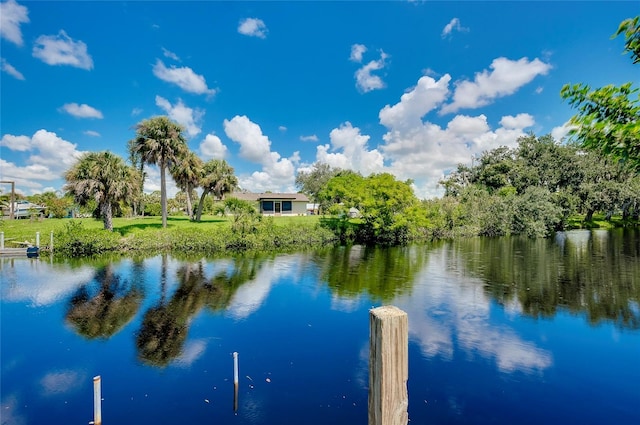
160,142
102,176
218,179
186,172
135,158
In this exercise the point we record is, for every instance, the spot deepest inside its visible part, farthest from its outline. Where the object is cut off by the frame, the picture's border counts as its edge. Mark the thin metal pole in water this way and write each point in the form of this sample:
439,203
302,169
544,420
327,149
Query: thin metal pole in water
97,401
235,381
38,239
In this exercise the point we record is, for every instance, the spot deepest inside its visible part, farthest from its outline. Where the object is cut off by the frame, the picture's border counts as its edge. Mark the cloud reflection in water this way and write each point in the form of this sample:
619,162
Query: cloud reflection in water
449,310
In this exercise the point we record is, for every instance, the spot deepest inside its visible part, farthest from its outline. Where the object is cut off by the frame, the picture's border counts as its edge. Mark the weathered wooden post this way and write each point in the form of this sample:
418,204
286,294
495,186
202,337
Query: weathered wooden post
388,366
97,401
1,240
51,242
38,239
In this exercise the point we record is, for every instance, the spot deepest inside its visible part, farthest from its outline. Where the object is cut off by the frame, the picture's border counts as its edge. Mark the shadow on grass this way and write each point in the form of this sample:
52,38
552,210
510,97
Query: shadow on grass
155,223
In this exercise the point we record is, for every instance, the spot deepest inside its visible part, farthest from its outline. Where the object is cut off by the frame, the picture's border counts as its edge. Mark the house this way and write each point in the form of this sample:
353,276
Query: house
22,209
275,203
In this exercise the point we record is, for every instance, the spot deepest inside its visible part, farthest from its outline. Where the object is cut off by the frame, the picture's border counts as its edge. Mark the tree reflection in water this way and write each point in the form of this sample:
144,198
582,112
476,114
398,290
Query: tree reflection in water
165,327
383,273
592,272
103,311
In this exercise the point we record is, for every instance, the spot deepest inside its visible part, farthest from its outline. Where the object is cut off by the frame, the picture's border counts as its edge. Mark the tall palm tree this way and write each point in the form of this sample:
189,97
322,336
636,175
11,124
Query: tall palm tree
102,176
186,172
218,179
135,158
160,142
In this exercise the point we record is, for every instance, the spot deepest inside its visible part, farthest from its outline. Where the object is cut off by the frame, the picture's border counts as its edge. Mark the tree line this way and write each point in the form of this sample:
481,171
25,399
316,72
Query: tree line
535,189
539,187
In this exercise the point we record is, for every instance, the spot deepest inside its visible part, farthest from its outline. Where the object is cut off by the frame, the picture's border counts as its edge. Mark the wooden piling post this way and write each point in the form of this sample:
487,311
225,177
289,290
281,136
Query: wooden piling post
97,401
388,366
51,242
38,239
1,240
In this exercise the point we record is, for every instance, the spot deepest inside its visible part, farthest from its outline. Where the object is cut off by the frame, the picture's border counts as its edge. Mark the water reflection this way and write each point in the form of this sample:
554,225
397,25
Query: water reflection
382,273
103,306
596,273
165,327
450,312
39,283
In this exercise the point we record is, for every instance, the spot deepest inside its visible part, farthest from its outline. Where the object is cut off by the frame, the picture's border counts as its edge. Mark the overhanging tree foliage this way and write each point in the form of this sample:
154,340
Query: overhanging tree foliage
608,117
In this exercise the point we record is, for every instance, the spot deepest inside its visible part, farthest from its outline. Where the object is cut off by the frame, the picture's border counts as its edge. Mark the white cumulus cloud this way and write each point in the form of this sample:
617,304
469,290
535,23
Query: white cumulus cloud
278,173
453,25
12,15
414,104
349,150
213,148
253,27
423,151
187,117
49,157
357,50
505,78
310,138
11,70
366,81
61,49
183,77
169,54
81,111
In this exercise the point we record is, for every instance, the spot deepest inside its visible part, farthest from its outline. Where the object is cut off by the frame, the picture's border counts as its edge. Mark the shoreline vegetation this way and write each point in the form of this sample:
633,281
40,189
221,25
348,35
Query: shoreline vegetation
216,235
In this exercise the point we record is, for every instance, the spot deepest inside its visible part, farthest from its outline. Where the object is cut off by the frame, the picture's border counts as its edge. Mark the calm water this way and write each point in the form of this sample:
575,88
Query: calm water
502,331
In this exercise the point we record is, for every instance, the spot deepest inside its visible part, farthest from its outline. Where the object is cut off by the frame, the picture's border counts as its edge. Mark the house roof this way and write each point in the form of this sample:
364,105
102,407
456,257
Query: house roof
246,196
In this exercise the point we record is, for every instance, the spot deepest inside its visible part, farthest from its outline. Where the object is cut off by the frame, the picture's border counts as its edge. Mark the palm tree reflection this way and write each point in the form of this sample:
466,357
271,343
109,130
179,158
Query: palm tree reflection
165,327
103,311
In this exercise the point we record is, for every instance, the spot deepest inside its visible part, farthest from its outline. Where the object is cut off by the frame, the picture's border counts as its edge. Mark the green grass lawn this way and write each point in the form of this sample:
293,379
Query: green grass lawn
25,229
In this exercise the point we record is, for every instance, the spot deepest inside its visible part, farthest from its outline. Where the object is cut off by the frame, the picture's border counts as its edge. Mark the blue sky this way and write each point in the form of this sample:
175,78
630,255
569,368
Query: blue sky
412,88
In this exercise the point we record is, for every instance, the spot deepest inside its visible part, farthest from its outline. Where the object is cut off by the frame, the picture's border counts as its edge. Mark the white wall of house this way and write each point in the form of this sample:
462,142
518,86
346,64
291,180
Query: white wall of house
282,207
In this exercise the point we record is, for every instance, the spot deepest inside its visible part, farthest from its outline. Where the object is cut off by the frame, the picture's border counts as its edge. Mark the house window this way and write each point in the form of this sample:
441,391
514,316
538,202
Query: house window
286,206
267,206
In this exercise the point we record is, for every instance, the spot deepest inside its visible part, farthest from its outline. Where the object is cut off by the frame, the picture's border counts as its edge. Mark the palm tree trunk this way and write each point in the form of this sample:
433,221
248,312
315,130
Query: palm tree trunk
107,215
163,193
142,188
204,195
189,207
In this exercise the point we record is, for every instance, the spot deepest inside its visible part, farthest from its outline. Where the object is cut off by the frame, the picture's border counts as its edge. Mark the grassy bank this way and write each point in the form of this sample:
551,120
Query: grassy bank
82,237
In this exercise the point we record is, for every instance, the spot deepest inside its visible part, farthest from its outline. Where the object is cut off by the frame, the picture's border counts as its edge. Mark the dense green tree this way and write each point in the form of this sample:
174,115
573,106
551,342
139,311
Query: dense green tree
159,141
103,177
388,209
218,179
312,182
57,206
187,173
151,203
608,118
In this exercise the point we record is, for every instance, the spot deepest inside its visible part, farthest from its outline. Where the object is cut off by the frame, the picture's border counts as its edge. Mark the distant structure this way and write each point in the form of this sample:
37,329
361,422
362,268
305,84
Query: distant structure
276,204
